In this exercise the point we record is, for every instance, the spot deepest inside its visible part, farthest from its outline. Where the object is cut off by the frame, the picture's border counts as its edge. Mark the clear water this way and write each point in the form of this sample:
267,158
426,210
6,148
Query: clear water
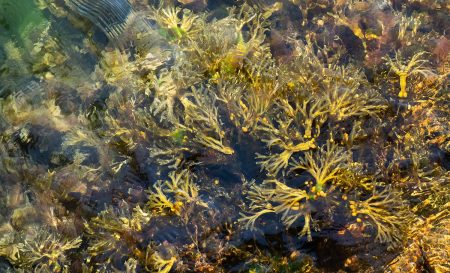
224,136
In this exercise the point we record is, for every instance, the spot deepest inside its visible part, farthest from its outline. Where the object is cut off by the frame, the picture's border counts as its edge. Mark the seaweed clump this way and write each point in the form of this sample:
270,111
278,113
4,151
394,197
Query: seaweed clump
170,139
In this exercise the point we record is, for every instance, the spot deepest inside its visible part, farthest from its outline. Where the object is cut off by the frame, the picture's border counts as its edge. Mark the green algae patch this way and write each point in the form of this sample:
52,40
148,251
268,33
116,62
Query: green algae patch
21,19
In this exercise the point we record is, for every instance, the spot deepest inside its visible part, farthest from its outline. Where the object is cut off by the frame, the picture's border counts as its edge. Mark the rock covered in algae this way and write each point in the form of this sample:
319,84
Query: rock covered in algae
185,141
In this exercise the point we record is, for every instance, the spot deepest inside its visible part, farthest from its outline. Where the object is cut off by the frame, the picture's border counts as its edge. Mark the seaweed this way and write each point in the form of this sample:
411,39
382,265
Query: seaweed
285,135
169,197
115,234
323,165
274,196
251,94
39,249
179,23
344,102
221,47
415,65
151,136
201,118
161,264
426,247
386,212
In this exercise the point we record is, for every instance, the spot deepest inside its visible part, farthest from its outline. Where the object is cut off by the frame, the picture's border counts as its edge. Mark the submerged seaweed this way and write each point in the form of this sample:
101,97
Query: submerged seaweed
224,136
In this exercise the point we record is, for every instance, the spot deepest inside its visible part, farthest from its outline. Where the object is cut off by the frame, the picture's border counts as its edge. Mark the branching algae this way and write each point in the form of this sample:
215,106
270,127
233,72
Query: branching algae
385,211
42,250
152,136
276,197
416,65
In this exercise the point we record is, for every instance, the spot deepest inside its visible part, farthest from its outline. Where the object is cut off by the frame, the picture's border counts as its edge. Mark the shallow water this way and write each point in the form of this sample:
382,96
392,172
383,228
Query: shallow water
224,136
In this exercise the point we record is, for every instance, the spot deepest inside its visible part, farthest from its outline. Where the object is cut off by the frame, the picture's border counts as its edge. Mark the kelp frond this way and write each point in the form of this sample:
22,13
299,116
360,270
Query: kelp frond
324,164
160,262
416,65
201,118
170,196
221,47
250,95
283,137
38,248
344,102
426,243
276,197
114,233
179,23
314,115
386,212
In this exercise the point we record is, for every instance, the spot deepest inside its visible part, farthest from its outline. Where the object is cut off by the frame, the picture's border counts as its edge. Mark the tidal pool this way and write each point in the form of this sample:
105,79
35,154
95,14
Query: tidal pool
224,136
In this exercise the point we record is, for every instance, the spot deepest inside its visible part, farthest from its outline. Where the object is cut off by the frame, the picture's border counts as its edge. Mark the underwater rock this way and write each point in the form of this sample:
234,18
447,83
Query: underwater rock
196,5
351,42
259,136
5,266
